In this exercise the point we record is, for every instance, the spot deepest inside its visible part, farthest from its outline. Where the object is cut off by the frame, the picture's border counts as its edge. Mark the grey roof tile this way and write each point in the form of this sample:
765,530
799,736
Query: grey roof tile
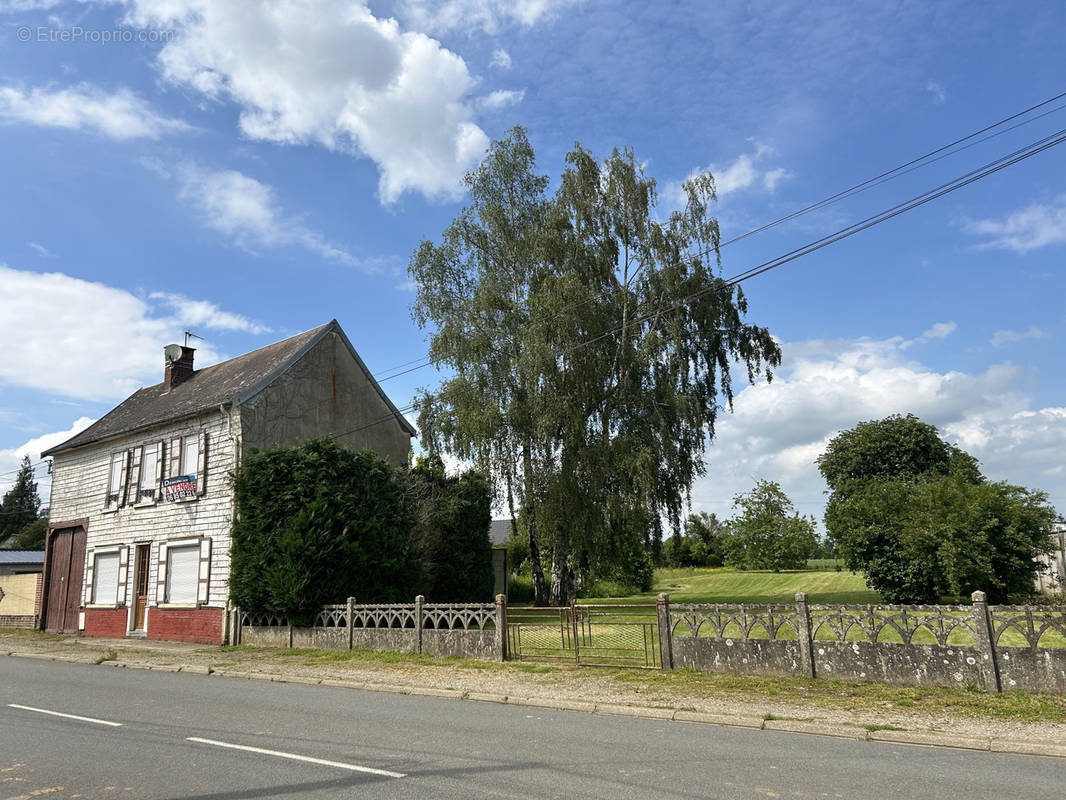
236,380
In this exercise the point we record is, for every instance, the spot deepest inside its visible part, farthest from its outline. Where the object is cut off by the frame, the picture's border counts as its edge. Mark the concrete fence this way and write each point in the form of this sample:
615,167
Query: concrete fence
992,647
469,630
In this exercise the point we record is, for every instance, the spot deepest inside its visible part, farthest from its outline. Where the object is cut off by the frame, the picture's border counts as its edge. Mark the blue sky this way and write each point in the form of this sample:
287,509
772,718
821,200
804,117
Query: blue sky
251,170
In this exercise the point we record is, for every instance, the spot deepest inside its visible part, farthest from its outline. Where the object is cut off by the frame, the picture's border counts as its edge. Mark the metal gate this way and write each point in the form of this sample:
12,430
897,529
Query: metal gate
601,635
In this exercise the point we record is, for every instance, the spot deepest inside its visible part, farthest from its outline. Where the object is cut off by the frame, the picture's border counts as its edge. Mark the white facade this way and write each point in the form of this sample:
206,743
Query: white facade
82,489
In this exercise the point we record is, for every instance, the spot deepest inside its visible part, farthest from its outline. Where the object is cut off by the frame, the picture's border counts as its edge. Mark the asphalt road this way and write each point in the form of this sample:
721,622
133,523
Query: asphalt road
209,738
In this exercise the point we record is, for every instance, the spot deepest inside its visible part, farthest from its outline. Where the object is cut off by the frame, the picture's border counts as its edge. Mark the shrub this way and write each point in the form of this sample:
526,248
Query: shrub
316,524
520,589
451,533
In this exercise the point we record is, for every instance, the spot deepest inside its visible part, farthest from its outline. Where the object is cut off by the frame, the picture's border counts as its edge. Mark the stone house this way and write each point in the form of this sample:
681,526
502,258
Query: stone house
141,508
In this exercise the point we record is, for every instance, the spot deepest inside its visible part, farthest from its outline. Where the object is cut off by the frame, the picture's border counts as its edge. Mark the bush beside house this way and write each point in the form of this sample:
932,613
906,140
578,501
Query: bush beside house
318,523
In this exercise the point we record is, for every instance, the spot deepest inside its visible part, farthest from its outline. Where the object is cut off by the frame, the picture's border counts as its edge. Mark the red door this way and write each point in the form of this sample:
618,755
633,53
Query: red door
66,567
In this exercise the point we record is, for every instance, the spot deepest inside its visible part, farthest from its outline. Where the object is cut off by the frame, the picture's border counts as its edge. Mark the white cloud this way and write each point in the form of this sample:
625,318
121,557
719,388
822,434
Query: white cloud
87,340
339,78
1000,338
471,16
119,115
939,330
11,459
940,96
40,250
1037,225
501,59
779,429
206,314
247,211
745,172
501,98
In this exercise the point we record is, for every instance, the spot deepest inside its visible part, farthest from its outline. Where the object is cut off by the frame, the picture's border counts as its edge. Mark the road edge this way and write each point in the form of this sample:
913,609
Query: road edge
767,722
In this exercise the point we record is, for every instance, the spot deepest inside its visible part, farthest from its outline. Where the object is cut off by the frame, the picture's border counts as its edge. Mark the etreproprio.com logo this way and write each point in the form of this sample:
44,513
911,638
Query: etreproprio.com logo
76,34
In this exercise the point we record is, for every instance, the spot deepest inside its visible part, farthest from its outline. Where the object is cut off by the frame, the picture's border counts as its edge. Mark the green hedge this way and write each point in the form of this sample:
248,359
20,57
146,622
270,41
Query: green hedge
318,523
451,533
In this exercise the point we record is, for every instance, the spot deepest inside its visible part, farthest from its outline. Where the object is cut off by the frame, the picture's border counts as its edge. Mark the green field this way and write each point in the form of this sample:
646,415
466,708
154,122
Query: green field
726,585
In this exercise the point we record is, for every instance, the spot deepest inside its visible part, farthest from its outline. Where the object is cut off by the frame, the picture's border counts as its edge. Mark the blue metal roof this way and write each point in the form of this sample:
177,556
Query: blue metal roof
21,556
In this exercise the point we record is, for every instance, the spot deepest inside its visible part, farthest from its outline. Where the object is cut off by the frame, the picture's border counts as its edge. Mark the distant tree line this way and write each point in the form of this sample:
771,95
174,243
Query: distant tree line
23,526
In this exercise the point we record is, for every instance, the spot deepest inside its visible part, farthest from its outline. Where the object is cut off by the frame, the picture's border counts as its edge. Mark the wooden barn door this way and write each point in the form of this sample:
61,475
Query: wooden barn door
66,567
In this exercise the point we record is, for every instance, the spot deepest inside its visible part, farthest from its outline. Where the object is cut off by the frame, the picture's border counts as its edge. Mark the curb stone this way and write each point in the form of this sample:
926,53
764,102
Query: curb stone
548,702
634,711
1028,748
718,719
931,738
810,726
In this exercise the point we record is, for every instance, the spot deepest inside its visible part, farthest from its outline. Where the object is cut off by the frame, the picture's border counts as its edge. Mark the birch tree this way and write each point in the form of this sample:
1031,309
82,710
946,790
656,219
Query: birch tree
588,348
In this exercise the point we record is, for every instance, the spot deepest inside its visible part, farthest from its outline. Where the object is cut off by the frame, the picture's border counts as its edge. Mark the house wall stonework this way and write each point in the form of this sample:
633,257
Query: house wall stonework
80,488
325,392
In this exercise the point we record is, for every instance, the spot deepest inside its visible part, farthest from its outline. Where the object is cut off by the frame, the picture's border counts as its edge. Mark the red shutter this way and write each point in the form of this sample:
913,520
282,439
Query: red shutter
87,589
134,482
158,485
205,572
175,457
123,573
161,576
201,466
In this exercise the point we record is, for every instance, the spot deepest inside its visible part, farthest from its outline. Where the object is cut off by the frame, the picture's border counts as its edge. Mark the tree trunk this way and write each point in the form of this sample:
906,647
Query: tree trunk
564,584
536,567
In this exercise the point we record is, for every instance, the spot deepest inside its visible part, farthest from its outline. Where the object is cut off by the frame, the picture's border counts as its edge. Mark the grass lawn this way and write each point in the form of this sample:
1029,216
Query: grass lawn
726,585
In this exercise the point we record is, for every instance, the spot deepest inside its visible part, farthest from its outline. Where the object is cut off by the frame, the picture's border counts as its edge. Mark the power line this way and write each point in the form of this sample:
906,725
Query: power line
940,153
915,202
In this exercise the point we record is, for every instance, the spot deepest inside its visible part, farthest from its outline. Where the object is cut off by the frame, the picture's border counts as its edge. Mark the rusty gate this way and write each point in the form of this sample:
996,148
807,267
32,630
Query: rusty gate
601,635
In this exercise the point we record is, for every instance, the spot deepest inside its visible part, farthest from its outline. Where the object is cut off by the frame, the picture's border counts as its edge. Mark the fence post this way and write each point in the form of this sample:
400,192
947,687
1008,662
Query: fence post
234,625
419,602
806,639
666,642
351,617
501,626
986,646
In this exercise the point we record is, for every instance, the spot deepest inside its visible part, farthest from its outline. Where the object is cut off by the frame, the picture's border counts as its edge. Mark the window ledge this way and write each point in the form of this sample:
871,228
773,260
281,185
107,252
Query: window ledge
102,606
110,510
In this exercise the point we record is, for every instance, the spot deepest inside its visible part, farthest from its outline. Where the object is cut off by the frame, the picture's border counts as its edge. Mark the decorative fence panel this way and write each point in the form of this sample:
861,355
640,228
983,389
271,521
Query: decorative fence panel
470,630
995,648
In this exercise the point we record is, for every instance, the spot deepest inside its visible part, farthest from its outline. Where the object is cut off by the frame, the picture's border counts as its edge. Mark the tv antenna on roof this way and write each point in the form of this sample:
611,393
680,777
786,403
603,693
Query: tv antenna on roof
191,335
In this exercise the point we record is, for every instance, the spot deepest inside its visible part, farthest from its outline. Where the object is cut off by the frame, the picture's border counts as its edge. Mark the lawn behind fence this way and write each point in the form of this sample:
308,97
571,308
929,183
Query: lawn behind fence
726,585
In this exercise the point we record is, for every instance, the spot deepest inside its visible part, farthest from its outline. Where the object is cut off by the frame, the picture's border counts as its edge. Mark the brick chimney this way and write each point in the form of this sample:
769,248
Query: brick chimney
178,362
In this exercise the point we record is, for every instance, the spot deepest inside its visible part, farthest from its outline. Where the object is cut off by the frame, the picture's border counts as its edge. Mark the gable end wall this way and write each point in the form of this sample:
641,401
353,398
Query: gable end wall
325,392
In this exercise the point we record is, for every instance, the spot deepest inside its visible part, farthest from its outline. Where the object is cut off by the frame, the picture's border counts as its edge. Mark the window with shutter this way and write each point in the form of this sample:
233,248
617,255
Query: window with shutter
105,578
183,573
148,484
114,484
190,454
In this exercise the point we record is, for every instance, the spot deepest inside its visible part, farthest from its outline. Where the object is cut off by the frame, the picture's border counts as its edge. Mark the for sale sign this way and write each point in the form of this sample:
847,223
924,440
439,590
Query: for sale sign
179,487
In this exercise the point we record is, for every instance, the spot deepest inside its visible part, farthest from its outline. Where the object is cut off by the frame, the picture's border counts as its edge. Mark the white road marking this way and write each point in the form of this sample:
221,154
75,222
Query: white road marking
295,757
67,716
